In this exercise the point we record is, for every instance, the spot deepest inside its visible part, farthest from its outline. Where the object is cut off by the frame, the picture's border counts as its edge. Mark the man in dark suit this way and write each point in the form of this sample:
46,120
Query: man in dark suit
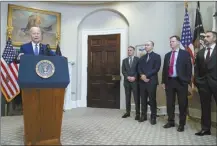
206,79
176,75
148,68
129,70
35,47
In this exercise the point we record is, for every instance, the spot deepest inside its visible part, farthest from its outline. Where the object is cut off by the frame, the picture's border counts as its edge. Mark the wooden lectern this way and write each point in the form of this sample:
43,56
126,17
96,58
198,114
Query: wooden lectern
43,98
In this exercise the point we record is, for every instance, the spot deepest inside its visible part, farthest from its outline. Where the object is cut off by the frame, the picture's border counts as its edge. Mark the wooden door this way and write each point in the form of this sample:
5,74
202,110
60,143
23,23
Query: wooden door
103,71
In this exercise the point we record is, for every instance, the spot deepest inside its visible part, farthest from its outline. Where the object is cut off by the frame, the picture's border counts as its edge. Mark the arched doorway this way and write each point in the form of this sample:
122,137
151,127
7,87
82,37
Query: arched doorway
100,23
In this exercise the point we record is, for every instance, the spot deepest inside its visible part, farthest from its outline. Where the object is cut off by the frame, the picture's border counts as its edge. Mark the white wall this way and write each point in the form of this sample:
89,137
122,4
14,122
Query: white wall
106,21
206,9
155,21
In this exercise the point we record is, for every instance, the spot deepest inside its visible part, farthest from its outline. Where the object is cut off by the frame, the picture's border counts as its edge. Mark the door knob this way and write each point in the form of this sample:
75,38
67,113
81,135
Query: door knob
116,77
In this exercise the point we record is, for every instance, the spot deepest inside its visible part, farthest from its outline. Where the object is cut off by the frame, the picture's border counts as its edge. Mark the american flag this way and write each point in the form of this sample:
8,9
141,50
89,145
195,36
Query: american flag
186,39
9,72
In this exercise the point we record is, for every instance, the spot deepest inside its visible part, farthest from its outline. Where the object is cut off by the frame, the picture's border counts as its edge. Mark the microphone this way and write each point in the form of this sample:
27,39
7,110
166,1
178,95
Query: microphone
48,50
41,48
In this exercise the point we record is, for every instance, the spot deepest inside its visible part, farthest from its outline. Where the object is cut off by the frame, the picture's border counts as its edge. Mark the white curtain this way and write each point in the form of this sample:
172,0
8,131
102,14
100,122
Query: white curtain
68,102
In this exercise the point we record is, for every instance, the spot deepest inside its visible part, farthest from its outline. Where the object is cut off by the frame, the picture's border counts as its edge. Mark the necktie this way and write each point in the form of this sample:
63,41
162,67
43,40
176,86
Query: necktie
207,55
36,49
172,59
147,58
131,61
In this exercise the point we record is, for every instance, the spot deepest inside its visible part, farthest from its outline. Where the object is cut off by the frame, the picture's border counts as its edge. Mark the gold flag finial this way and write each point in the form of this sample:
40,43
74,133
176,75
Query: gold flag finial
186,4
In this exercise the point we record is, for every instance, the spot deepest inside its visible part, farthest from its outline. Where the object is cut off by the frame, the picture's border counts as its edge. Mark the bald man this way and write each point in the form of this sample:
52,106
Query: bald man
35,47
148,68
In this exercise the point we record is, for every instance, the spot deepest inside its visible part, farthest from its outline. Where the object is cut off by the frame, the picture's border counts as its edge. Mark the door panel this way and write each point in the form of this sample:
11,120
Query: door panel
103,64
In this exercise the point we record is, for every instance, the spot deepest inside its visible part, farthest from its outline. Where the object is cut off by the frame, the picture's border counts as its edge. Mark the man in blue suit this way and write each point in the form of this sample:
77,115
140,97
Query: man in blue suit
148,68
35,47
176,75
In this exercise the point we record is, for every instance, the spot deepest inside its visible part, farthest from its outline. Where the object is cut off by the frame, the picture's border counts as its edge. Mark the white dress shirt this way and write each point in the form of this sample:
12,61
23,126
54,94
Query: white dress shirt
211,50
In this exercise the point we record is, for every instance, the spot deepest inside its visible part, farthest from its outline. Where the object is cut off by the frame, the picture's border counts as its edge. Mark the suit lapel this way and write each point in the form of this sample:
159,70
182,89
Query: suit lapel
168,59
127,62
213,54
134,60
178,57
31,50
202,56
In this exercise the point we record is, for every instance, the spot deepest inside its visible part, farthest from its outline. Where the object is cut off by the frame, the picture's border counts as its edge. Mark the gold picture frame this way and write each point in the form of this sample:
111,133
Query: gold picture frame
140,50
21,19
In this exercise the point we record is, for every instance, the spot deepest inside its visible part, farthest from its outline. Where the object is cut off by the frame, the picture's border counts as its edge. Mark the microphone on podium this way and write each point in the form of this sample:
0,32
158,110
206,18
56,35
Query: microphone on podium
41,48
48,49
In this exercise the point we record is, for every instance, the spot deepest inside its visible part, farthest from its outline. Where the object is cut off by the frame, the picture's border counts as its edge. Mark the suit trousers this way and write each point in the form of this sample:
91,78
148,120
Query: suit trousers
175,87
206,91
148,91
129,88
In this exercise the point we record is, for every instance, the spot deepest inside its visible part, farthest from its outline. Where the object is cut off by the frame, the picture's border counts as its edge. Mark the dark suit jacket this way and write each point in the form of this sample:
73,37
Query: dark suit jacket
150,68
183,67
130,71
28,50
206,70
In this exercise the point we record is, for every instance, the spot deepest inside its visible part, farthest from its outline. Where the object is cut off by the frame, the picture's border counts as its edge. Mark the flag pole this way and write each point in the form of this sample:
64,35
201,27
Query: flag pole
186,8
186,4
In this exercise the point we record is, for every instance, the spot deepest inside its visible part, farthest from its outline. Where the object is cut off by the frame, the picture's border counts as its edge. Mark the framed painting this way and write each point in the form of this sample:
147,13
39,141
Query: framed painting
21,19
140,50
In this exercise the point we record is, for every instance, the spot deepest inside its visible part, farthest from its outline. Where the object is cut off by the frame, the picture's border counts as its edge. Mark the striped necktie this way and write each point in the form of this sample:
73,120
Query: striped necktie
36,49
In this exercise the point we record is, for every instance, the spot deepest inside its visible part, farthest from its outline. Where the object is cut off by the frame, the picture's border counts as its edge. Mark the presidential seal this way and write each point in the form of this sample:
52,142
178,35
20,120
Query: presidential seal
45,68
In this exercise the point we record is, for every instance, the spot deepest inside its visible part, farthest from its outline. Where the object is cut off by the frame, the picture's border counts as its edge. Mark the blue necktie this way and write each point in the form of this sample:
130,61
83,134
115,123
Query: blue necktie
36,49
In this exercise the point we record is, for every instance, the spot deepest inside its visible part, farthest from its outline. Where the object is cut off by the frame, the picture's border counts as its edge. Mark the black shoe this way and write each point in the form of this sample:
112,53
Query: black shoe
143,118
126,115
169,125
153,121
137,117
203,132
180,128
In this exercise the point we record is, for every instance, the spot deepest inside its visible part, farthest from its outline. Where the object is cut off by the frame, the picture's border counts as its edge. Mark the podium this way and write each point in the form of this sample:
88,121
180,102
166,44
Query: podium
43,97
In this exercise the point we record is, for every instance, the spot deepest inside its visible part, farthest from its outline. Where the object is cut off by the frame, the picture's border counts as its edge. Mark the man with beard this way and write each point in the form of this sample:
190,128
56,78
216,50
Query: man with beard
206,79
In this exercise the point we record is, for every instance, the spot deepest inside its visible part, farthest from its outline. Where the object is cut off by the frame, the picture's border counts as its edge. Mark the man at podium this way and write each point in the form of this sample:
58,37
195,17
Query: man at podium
35,47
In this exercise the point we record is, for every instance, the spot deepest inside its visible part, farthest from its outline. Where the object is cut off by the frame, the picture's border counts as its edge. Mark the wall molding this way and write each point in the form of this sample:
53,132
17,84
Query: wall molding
162,110
196,113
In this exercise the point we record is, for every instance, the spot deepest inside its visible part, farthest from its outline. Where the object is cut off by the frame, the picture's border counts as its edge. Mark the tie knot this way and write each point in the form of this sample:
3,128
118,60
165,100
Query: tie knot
208,48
